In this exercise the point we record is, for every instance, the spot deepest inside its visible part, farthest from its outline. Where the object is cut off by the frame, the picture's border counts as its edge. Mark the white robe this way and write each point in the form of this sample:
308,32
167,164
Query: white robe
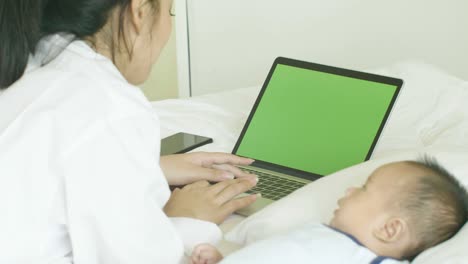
79,166
309,244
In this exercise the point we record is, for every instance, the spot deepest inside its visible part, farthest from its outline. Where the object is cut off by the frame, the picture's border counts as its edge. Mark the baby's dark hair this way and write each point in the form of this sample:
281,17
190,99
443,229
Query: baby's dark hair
437,206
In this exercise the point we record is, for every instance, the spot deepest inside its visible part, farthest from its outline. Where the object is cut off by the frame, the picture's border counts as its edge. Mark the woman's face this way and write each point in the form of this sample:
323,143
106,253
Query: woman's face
148,31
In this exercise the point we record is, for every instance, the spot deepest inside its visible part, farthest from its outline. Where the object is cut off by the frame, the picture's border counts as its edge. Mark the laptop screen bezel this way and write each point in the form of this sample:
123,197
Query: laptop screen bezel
398,83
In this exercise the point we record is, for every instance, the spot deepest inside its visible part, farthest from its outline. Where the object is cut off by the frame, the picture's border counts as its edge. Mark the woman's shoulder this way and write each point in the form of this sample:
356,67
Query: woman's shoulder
75,88
80,77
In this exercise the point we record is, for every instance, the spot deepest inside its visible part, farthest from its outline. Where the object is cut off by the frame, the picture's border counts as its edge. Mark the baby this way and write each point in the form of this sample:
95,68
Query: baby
401,210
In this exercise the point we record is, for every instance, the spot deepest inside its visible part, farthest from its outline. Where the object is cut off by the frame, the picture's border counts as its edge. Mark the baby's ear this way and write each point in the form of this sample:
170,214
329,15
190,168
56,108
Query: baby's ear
391,230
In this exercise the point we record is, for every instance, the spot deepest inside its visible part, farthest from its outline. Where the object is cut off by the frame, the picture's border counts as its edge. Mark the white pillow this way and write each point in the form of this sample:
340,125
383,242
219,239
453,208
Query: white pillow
317,201
430,110
452,251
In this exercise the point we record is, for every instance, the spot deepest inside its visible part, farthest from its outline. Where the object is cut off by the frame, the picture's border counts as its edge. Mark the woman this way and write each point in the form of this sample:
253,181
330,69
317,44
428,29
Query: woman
79,145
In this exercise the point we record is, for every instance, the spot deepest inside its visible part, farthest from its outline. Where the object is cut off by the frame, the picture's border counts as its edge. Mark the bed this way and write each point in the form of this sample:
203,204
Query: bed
430,117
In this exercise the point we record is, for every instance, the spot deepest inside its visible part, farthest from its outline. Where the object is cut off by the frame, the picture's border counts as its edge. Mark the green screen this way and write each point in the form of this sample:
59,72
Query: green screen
315,121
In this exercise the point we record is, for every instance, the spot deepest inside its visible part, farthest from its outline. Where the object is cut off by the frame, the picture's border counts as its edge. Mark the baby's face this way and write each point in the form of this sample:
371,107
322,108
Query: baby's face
363,208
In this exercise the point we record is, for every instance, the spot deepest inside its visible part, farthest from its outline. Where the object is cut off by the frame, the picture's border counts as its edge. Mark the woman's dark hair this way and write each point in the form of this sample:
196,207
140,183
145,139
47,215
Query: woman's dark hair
24,22
20,22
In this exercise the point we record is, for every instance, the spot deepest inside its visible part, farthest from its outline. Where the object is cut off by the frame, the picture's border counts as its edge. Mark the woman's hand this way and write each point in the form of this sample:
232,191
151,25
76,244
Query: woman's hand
187,168
213,203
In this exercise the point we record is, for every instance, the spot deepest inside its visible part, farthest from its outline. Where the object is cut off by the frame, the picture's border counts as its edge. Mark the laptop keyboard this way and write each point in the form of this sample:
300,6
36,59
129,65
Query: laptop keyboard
273,187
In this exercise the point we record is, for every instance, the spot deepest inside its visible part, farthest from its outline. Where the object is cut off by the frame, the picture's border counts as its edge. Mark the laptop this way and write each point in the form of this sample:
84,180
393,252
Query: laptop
309,121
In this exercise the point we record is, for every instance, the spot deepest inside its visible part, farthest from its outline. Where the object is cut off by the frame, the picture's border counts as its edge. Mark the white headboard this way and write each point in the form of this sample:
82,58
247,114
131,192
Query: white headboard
227,44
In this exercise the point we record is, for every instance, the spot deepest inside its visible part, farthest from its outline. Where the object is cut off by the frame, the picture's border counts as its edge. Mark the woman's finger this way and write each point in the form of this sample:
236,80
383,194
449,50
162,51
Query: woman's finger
224,158
235,171
198,184
220,186
212,174
235,188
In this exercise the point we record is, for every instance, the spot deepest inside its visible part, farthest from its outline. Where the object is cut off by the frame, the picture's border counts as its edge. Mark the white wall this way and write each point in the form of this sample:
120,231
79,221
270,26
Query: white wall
234,42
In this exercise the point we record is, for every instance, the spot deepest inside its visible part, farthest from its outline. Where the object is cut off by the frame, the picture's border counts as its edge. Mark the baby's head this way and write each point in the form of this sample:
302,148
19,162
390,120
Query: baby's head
403,209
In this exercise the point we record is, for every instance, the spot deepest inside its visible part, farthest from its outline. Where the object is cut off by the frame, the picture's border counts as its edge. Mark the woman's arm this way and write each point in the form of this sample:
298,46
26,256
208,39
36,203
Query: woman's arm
115,193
